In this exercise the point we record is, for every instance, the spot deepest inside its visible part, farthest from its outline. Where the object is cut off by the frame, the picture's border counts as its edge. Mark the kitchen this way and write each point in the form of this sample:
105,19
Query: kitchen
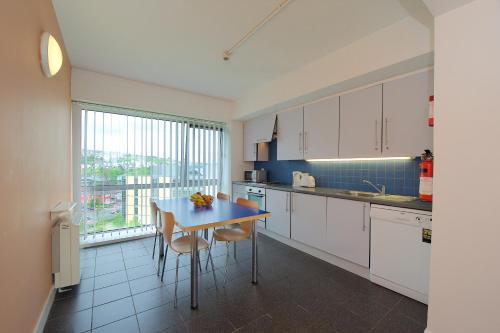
251,166
341,177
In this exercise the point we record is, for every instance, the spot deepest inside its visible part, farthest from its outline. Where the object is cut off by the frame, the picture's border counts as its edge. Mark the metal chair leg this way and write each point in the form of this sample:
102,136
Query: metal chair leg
199,261
227,263
154,246
213,269
164,263
209,251
159,257
176,280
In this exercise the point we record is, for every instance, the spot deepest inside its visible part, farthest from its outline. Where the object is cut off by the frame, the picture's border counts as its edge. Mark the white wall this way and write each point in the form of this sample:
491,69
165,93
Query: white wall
402,47
105,89
465,263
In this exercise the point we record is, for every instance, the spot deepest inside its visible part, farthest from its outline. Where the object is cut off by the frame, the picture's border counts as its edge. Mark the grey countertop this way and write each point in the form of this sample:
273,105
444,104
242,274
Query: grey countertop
339,193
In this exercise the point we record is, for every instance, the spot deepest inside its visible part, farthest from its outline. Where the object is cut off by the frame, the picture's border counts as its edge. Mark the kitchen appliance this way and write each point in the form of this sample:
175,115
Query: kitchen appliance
257,194
303,179
256,176
400,250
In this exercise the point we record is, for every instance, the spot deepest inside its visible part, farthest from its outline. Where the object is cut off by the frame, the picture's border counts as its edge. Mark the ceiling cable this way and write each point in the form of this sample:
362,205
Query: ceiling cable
229,52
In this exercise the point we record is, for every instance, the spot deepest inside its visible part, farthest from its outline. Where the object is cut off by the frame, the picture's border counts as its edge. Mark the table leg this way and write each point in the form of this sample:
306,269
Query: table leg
194,269
254,254
161,245
205,234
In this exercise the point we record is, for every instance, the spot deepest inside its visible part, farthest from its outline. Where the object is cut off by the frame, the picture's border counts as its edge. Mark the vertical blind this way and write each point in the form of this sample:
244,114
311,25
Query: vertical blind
128,157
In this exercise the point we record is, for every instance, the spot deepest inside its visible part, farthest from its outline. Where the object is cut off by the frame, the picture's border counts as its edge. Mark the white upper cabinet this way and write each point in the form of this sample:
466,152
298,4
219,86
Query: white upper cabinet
257,130
361,123
308,219
278,203
321,129
348,230
405,130
290,134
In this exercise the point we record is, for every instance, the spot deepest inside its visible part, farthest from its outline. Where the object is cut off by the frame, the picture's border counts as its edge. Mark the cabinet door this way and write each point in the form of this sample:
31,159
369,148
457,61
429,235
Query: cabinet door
361,123
249,143
278,204
308,224
348,230
405,129
290,136
264,127
321,129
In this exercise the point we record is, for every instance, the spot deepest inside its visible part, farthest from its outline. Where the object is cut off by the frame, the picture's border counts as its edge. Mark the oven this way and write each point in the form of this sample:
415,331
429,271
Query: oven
257,194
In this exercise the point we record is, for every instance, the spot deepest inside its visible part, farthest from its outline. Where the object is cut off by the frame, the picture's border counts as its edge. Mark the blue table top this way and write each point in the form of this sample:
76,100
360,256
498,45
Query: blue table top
191,218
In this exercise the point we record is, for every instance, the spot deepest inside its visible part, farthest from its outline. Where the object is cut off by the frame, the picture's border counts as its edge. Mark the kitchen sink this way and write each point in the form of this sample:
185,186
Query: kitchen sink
360,194
398,198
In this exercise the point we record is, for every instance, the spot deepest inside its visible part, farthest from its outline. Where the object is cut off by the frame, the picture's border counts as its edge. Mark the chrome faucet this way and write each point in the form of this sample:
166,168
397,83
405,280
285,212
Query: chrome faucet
380,190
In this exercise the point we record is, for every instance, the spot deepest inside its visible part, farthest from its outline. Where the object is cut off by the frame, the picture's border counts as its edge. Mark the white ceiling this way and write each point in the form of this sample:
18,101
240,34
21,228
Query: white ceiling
179,43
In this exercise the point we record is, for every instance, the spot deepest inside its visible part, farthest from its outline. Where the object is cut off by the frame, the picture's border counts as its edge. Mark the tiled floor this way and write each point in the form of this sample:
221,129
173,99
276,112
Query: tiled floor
120,292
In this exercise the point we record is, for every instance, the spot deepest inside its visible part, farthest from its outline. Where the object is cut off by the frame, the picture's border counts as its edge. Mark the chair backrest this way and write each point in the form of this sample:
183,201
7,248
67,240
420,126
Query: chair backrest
222,196
247,226
168,219
154,214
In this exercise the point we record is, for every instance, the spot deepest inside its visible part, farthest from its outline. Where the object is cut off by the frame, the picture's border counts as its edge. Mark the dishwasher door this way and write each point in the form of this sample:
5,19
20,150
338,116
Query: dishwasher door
399,254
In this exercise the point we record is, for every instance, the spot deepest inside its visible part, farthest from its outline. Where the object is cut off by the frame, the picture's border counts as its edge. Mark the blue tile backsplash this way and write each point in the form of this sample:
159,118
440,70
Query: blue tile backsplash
399,176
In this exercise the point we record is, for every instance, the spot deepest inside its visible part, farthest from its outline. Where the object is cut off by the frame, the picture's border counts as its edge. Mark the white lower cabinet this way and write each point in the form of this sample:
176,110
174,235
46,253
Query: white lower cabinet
238,192
278,203
308,219
348,230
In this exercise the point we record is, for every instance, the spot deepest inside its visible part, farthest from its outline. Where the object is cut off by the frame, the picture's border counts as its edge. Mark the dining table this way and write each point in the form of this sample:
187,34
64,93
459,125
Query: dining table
191,219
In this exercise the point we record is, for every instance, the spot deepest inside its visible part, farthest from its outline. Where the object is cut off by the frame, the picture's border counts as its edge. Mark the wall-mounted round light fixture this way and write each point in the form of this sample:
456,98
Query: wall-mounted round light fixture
51,55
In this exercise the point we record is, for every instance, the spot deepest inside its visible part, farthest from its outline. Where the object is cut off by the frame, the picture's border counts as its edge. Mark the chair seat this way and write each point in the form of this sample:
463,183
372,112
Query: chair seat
230,235
183,244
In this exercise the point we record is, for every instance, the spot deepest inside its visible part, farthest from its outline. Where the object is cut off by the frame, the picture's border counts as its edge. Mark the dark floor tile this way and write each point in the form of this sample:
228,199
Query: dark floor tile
413,309
291,317
110,267
110,279
108,249
153,298
396,322
159,319
111,312
261,324
108,258
135,253
138,261
370,311
207,324
141,271
127,325
74,322
85,285
112,293
88,253
87,262
71,304
87,272
145,283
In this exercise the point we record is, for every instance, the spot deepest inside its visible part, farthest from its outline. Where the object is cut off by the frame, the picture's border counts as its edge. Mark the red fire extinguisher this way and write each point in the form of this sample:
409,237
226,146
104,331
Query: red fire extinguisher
430,119
426,173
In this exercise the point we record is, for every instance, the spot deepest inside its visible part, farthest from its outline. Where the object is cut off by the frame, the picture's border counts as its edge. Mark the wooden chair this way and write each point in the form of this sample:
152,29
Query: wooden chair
155,221
234,234
180,246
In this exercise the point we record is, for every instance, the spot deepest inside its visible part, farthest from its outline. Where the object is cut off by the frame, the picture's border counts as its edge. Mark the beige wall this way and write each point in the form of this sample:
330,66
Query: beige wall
35,160
465,262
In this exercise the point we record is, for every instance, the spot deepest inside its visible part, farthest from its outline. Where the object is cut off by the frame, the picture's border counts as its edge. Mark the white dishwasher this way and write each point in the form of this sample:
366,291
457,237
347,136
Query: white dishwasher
400,250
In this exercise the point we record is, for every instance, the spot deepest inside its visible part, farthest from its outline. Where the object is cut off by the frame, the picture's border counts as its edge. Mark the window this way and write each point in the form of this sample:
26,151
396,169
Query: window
128,157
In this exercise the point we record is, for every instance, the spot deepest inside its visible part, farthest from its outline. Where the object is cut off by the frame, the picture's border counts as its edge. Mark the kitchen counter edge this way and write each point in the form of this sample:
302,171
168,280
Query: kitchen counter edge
334,193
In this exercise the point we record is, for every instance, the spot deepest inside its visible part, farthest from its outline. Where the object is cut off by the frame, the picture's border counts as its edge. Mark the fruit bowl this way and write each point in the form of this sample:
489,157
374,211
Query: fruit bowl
202,200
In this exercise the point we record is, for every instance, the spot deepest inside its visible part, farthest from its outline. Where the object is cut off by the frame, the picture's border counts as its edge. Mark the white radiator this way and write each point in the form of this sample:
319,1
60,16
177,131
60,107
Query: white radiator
65,245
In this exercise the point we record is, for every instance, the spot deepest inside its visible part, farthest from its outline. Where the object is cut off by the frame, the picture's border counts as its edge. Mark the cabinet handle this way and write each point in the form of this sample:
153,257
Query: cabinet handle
364,217
386,133
300,142
287,202
306,145
376,134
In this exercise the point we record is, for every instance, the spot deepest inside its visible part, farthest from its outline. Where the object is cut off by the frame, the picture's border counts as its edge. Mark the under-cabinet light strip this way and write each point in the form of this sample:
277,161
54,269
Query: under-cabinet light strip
359,159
